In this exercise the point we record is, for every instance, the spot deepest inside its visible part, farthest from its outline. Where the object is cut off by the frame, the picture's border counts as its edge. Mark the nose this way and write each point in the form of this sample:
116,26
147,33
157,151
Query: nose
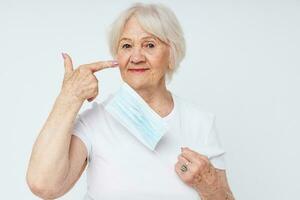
137,56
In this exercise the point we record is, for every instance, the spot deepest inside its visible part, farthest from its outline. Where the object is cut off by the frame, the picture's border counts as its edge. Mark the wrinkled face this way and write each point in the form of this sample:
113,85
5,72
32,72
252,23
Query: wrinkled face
143,58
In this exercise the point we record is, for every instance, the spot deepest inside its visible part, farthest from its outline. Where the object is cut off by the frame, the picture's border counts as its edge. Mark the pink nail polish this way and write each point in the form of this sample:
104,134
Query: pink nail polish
63,55
114,62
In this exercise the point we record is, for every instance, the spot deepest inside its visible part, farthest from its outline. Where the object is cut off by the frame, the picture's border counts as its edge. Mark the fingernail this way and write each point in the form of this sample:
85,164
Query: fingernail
183,148
63,55
114,62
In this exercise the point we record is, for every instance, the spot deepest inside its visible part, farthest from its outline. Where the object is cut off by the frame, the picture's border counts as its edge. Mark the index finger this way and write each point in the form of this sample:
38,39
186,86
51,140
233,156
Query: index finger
97,66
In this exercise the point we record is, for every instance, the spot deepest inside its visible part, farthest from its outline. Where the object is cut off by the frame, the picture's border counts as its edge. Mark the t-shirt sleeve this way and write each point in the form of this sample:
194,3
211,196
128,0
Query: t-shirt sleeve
215,150
80,130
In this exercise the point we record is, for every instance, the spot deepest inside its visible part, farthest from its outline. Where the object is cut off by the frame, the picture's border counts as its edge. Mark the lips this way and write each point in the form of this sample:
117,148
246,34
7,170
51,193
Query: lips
138,70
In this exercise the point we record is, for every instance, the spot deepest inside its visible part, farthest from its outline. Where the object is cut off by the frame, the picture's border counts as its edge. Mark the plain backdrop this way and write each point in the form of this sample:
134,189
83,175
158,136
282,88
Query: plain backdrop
242,63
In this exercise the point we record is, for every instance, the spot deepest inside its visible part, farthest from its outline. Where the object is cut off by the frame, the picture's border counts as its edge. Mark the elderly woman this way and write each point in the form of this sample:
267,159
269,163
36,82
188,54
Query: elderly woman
187,162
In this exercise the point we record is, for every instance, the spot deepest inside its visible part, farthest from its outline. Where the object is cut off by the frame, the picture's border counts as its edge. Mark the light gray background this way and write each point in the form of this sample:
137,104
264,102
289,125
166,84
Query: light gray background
242,63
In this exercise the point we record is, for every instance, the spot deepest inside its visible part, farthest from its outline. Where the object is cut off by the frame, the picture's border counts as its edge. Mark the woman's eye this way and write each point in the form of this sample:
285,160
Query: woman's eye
125,46
150,45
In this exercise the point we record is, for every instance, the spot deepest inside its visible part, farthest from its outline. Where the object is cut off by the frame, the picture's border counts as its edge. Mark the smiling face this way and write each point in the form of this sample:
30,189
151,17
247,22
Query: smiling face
143,58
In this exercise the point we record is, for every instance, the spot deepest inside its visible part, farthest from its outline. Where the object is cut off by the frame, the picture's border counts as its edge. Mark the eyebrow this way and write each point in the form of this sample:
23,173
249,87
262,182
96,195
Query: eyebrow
143,38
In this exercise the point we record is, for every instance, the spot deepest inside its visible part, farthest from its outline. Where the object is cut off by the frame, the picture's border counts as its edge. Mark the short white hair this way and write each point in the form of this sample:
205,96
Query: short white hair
157,20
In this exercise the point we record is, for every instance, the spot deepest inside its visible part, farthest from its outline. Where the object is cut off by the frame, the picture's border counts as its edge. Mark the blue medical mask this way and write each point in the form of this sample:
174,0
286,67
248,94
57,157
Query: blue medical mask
137,116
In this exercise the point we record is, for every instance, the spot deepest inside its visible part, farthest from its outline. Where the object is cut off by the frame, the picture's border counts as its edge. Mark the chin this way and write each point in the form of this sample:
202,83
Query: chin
137,84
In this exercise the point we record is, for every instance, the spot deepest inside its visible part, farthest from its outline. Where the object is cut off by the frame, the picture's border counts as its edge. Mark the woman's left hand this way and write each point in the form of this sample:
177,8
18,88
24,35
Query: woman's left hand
196,171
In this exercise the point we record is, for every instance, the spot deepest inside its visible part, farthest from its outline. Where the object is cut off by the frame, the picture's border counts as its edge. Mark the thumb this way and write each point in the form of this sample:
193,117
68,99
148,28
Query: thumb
68,63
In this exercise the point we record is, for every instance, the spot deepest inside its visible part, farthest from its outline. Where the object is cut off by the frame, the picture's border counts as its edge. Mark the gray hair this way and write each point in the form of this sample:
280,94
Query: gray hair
157,20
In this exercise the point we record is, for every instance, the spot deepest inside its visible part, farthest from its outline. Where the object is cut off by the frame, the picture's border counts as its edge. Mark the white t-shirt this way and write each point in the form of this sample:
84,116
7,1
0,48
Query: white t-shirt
121,167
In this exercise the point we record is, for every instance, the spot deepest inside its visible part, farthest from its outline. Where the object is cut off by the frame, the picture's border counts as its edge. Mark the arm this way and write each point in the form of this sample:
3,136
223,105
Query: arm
58,158
50,162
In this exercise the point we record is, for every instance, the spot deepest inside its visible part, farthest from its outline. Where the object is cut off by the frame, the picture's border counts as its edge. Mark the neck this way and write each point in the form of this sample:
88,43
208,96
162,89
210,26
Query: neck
158,98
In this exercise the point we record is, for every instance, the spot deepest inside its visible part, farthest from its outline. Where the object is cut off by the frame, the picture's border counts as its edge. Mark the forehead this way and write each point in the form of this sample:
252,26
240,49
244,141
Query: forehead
133,31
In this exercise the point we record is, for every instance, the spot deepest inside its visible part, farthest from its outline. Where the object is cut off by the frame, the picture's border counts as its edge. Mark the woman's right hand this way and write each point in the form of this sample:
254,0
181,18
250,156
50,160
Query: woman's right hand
81,83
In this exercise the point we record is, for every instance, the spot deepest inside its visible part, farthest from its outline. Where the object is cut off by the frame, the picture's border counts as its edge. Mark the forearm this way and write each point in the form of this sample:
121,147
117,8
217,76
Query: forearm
49,160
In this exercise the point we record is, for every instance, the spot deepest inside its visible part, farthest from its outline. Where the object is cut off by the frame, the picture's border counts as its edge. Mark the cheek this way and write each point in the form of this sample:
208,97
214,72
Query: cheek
160,62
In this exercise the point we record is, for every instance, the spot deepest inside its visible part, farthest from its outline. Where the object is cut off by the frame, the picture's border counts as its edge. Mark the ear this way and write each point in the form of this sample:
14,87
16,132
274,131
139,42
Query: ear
171,65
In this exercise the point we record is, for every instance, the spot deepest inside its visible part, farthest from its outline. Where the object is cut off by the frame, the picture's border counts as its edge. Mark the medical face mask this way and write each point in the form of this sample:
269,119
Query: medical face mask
137,116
